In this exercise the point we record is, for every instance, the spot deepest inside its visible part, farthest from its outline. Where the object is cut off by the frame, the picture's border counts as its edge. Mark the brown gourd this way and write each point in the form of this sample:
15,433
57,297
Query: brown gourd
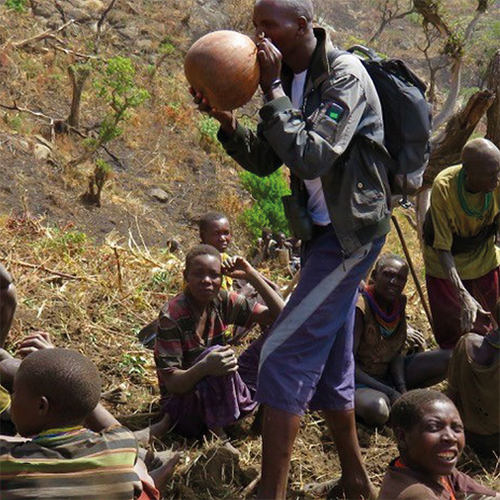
223,66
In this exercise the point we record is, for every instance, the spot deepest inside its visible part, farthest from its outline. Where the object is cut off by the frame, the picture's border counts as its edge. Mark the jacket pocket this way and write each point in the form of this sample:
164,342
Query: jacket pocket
361,181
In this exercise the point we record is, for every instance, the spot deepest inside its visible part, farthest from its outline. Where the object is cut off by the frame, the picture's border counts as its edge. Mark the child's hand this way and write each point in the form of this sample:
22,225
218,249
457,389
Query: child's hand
221,361
34,342
237,268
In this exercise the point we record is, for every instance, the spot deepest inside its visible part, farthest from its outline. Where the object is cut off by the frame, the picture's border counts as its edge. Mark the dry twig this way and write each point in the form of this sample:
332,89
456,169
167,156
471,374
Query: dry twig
51,271
42,36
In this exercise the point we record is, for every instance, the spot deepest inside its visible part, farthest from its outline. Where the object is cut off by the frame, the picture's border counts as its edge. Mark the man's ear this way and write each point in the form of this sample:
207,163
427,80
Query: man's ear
303,23
43,406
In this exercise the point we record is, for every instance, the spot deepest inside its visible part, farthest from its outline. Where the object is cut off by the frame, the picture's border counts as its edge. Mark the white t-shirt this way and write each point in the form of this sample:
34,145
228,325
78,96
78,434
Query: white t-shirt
316,203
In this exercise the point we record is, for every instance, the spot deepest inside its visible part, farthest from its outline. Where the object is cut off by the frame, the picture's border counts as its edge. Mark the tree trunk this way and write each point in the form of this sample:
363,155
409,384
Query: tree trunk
493,115
447,145
451,101
78,77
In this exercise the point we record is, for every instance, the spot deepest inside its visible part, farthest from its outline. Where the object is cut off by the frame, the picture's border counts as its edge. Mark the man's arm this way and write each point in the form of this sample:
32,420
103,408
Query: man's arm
250,150
470,307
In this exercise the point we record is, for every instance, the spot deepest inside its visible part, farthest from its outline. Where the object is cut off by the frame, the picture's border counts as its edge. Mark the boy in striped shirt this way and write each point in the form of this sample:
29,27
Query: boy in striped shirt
76,449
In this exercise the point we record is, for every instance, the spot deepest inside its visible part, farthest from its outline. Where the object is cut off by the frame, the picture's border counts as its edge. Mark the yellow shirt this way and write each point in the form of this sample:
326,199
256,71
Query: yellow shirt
4,399
477,389
226,282
449,218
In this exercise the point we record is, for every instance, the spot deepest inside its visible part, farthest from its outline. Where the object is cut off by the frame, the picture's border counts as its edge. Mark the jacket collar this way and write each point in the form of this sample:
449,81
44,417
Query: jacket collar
319,67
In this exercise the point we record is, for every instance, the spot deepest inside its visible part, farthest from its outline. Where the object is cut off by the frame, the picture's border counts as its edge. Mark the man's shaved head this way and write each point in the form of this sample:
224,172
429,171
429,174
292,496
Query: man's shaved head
481,160
299,8
479,150
288,25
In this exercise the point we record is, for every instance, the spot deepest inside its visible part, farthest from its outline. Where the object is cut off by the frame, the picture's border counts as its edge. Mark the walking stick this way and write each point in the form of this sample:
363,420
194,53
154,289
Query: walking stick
291,286
412,270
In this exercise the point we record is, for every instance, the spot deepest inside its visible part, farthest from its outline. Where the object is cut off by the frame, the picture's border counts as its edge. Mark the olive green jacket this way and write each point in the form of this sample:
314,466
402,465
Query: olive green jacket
347,153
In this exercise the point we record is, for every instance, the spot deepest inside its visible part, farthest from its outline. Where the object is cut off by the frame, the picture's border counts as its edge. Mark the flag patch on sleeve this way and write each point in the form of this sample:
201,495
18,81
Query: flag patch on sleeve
334,111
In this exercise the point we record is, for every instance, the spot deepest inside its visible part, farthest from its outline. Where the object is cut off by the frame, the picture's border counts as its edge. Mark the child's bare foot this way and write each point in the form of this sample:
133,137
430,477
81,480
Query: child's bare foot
221,434
156,430
161,466
321,489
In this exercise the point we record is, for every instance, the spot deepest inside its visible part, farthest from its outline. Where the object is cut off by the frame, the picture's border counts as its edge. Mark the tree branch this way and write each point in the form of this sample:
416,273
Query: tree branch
447,146
103,17
388,16
42,36
451,101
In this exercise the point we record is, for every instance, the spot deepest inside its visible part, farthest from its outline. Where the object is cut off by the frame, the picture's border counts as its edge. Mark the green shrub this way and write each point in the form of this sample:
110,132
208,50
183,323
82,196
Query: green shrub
66,242
133,364
17,5
267,210
116,85
208,128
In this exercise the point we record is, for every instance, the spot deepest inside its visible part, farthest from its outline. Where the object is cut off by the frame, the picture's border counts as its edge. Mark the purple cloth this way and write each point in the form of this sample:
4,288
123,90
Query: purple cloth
216,401
307,359
248,362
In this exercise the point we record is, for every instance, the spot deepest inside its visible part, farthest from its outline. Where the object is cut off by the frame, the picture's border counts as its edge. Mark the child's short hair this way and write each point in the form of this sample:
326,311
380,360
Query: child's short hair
384,259
69,380
408,409
206,219
201,250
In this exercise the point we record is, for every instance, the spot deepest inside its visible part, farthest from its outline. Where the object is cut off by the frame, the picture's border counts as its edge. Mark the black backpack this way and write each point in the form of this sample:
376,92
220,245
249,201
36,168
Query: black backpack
407,117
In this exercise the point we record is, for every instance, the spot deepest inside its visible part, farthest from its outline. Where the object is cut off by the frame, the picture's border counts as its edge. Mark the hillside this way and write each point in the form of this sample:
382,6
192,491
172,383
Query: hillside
92,275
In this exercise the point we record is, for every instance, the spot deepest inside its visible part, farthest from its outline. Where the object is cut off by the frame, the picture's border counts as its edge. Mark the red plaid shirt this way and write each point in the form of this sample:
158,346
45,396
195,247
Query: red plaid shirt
177,343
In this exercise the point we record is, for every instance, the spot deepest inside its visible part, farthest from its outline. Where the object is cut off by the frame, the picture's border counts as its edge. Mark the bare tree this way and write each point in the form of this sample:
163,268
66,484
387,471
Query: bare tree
493,115
391,10
455,44
434,65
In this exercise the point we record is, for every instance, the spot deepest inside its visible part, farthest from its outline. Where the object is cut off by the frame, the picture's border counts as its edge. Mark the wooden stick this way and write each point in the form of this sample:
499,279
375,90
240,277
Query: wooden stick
119,269
412,270
50,271
250,487
291,286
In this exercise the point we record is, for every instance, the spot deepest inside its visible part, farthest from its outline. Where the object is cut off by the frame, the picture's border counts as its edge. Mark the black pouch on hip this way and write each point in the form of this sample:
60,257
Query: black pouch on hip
299,219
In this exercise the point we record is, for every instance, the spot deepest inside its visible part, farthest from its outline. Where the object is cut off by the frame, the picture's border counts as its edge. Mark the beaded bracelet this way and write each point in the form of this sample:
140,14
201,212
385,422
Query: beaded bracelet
273,85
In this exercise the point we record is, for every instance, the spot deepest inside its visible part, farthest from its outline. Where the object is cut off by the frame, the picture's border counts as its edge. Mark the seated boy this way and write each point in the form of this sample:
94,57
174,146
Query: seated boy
473,382
430,439
382,372
201,383
215,230
8,369
56,392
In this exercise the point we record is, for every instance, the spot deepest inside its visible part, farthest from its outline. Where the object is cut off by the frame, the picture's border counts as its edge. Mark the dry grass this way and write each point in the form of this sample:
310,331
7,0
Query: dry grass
117,288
